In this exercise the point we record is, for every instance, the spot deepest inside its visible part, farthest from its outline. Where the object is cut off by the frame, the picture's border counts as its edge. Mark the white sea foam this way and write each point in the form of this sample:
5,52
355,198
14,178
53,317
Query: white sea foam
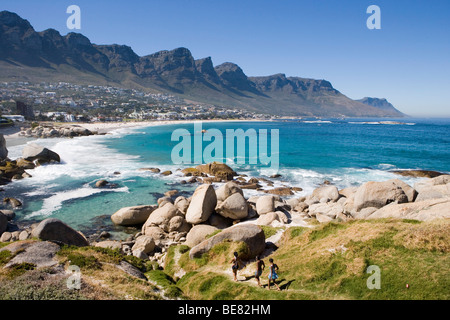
309,180
83,157
55,201
383,122
364,122
317,121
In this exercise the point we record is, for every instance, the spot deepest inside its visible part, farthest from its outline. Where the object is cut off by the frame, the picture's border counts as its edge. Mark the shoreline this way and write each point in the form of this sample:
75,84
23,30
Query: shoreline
13,133
106,127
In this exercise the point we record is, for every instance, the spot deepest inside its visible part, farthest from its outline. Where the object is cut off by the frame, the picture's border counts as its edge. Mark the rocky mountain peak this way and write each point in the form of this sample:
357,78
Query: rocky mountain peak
22,50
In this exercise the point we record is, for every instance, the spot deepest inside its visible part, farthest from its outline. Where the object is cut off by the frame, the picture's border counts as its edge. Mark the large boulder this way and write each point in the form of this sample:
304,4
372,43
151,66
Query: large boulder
420,210
417,173
265,204
348,192
252,235
234,207
80,131
9,214
179,224
156,233
410,192
198,234
329,209
10,171
13,202
274,219
182,204
3,223
217,169
202,204
364,213
3,150
32,152
161,216
434,192
144,243
378,194
219,221
39,253
227,190
434,188
422,185
330,193
131,270
25,164
55,230
132,215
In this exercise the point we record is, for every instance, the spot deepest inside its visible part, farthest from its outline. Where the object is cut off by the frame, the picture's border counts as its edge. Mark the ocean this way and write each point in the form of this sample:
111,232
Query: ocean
346,152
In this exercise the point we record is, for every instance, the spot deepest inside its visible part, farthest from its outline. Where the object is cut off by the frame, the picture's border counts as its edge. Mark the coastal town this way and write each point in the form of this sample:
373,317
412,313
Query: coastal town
67,102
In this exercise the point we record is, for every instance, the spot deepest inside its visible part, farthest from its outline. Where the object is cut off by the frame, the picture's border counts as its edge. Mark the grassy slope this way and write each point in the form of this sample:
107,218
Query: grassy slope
100,279
330,262
326,262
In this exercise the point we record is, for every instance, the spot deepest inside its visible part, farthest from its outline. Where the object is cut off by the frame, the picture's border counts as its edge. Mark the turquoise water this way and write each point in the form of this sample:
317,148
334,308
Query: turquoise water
345,152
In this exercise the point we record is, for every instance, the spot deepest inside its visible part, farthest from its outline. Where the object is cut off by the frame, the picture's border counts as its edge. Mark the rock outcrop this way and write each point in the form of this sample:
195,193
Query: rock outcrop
3,149
250,234
202,204
33,152
265,204
55,230
421,210
129,216
218,170
162,216
378,194
50,131
39,253
198,234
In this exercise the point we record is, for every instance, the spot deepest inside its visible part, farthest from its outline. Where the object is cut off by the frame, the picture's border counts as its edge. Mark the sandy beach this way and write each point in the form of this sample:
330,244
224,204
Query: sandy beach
104,127
13,137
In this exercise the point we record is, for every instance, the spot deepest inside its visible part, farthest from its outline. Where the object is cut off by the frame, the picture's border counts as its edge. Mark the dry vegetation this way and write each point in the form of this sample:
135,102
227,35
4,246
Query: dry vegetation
328,261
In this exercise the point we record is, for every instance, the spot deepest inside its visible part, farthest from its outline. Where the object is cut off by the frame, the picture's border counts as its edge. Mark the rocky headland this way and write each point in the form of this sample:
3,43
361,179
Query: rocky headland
52,130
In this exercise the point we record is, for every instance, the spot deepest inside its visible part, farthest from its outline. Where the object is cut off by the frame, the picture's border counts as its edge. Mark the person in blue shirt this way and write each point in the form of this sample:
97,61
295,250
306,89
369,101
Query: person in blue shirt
273,274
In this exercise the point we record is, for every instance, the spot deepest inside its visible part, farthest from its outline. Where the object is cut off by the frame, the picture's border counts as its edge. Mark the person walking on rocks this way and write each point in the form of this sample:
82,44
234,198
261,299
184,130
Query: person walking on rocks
235,264
273,274
259,269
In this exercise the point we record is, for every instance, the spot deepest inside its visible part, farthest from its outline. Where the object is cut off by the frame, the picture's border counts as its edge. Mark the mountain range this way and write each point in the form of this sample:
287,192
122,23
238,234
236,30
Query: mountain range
27,55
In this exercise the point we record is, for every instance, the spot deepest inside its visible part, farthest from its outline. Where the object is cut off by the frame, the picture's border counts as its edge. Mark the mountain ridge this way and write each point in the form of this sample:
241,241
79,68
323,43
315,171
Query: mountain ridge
28,55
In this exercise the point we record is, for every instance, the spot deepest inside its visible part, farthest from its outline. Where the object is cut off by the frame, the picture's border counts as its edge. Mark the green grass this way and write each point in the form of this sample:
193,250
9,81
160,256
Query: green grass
326,230
328,261
5,256
331,261
269,231
163,280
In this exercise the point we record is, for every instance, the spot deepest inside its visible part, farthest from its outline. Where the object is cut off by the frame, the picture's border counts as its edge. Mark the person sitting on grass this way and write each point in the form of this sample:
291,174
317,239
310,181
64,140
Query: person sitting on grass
273,274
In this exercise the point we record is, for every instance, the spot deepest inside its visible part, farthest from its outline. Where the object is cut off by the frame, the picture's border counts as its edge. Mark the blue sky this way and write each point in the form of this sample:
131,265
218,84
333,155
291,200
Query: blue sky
407,61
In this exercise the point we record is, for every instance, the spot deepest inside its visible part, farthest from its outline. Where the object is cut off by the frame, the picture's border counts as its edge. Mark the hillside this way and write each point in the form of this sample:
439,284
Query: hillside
27,55
330,262
326,261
